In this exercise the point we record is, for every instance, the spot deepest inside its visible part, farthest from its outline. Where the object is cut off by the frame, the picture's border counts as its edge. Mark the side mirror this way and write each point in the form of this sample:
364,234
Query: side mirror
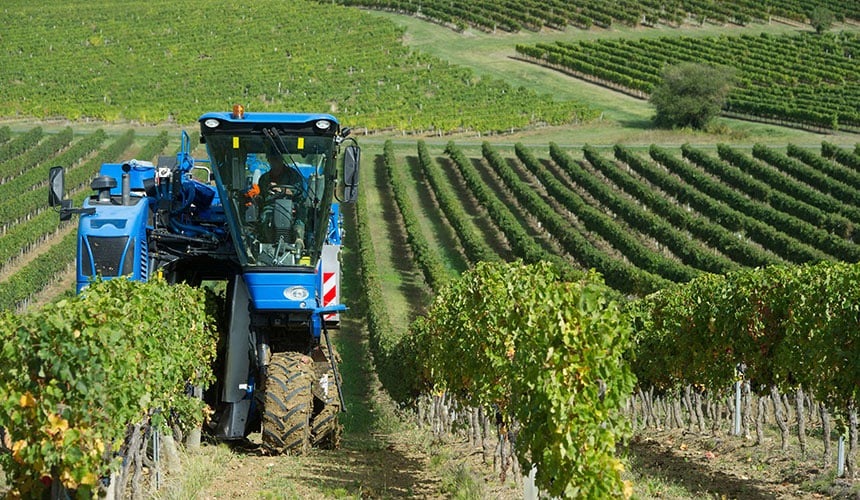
57,182
351,163
57,195
57,192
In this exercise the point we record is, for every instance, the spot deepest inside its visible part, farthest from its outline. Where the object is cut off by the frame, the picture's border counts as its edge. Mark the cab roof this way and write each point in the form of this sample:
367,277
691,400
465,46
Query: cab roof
273,118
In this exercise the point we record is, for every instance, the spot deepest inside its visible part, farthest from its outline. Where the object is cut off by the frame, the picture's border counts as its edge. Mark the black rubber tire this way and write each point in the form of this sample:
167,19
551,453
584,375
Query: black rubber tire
325,428
288,405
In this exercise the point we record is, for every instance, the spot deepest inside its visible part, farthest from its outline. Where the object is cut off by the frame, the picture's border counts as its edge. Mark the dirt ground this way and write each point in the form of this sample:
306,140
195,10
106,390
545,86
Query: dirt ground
383,452
405,464
393,471
675,464
700,465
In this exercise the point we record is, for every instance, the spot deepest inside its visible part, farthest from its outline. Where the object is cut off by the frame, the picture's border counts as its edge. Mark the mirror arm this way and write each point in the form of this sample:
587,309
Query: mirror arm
66,211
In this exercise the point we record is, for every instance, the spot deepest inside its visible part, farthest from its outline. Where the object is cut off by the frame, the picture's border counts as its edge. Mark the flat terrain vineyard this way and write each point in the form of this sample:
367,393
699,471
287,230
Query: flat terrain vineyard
492,15
470,154
805,79
163,62
691,187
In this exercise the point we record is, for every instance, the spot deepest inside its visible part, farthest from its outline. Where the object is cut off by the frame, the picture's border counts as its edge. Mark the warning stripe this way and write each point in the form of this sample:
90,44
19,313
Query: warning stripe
329,291
329,288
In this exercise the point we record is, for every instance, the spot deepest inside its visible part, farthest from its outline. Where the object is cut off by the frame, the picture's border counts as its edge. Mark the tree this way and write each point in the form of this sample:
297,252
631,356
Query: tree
821,18
691,94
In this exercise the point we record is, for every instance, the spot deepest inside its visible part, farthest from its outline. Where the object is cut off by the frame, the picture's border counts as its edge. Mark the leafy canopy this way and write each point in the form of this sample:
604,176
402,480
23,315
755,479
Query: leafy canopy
691,94
821,18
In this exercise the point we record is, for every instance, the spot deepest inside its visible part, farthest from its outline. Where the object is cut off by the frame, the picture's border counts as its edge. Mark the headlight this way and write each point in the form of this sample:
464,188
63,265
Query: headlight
323,124
211,122
296,293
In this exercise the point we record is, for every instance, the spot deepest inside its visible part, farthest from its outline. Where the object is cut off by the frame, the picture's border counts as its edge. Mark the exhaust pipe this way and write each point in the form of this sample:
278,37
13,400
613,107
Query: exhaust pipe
126,190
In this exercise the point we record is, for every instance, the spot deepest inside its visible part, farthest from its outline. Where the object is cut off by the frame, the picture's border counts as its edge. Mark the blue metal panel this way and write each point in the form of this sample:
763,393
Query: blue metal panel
334,226
267,290
112,225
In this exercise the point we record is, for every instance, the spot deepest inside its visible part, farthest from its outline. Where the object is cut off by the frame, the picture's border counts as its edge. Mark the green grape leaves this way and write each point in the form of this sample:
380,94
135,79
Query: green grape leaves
548,354
82,369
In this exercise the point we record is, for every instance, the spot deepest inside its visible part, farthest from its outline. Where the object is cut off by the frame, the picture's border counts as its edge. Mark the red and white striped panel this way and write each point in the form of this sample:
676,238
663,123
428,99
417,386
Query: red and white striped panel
330,268
330,293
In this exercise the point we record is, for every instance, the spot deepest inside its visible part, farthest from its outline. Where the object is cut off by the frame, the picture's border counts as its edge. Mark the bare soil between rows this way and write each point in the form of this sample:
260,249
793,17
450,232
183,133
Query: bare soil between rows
395,470
730,467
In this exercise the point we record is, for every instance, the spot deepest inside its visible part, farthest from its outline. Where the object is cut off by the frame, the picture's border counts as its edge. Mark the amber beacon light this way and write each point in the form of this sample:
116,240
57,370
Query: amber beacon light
238,111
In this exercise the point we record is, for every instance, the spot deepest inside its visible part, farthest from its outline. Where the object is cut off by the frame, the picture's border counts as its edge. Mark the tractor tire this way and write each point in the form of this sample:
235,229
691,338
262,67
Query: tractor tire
325,429
288,404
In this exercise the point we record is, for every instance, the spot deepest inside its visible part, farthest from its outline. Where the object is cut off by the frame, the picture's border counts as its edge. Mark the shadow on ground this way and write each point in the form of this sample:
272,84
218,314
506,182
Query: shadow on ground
655,459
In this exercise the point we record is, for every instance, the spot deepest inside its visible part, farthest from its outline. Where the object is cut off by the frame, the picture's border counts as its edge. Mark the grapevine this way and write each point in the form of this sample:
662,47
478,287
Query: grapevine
93,365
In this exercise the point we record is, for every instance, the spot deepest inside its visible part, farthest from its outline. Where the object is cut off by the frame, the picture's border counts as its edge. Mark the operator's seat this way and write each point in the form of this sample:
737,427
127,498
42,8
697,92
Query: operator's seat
282,217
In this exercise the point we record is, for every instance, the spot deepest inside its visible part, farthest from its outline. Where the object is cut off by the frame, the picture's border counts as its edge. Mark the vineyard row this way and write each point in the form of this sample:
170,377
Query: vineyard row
105,69
506,15
771,310
808,79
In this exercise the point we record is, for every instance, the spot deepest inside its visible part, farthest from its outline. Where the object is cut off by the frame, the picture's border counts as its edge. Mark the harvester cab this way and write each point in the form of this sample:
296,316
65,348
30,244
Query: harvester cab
265,221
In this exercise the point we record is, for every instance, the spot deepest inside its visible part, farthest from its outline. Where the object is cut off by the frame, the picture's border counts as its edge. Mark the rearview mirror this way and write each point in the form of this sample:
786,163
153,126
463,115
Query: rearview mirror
351,163
57,195
57,182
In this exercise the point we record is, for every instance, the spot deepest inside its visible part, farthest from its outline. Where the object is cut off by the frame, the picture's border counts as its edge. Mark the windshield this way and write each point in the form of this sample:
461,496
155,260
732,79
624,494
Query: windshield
277,201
